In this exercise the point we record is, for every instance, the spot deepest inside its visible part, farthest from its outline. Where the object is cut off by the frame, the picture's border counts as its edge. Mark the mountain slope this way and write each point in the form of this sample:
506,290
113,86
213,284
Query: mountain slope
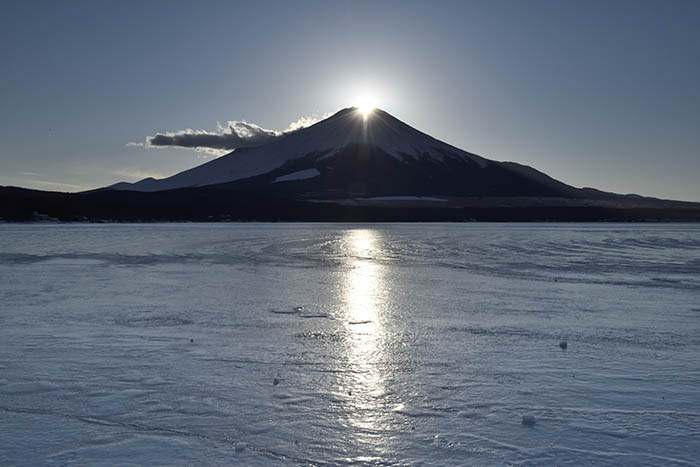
366,170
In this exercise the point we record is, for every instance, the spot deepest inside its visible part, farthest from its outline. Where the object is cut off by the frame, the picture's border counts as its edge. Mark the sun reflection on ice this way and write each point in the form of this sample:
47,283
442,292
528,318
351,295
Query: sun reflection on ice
364,288
365,299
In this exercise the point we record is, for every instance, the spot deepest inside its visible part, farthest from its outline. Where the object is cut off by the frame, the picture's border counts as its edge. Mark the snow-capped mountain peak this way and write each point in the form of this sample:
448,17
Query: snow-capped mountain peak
321,141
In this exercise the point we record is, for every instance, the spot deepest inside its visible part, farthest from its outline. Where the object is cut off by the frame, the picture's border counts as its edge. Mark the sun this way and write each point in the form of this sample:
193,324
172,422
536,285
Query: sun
365,105
365,110
365,97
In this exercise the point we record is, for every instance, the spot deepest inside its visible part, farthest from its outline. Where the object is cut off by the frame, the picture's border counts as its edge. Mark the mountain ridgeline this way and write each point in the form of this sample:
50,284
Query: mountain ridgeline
351,166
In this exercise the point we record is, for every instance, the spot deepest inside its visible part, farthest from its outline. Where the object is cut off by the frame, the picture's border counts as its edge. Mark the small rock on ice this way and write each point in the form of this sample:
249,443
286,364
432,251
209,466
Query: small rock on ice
529,420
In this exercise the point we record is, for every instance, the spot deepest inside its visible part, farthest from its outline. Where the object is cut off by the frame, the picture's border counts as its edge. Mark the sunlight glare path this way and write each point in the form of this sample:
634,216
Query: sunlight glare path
365,296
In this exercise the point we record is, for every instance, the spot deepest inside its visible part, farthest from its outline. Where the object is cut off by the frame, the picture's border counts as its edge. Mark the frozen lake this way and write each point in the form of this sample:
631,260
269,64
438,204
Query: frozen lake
418,344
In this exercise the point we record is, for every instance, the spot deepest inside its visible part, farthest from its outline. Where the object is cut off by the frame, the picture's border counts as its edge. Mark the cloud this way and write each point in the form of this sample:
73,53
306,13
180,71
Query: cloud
48,185
235,135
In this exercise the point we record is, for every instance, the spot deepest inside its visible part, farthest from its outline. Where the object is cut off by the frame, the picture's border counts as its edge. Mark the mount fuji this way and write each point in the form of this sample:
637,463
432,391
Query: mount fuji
353,155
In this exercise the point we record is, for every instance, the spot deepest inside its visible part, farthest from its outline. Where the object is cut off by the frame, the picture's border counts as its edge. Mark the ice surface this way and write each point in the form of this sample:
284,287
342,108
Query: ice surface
160,344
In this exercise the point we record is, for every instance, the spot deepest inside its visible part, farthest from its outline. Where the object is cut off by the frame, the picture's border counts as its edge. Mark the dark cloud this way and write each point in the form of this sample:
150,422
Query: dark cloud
237,134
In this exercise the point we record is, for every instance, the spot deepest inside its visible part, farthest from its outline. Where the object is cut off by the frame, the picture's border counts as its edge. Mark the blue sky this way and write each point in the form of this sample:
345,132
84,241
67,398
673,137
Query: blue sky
594,93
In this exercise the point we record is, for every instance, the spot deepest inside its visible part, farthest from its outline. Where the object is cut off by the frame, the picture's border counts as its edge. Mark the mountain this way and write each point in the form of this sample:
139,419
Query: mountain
351,155
348,167
315,147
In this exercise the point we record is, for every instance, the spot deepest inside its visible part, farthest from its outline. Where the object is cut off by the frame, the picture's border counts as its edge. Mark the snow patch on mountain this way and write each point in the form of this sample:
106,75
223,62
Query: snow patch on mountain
300,175
402,198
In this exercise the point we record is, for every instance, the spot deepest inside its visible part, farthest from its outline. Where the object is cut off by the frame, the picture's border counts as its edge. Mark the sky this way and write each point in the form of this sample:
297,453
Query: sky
603,94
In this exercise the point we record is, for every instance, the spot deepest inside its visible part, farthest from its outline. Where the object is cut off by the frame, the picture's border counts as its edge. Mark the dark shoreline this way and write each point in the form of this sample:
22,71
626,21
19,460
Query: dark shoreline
216,205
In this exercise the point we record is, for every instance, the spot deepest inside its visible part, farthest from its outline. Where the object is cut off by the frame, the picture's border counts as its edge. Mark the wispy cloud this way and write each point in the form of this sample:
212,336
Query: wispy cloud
234,135
53,186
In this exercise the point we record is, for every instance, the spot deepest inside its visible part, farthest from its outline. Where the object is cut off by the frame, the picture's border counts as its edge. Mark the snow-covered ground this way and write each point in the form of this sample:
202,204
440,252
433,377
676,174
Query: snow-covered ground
274,344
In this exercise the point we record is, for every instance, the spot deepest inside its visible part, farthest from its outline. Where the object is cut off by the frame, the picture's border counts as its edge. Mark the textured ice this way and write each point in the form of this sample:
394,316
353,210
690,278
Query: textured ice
425,344
529,420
